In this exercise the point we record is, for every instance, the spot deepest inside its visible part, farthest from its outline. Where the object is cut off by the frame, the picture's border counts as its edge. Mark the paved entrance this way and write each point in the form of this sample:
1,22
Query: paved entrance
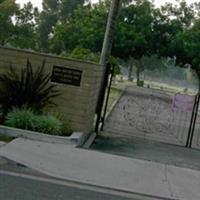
147,113
149,150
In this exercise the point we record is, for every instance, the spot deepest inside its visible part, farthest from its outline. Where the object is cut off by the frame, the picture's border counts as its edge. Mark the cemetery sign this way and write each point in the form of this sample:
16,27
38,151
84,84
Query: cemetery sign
66,76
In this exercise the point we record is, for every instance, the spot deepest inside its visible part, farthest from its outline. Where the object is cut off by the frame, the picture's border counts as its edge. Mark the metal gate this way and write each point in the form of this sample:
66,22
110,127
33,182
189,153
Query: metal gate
194,129
149,114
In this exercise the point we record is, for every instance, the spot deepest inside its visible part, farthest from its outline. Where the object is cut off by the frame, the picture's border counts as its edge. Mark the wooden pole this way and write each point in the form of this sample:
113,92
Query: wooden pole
108,38
105,54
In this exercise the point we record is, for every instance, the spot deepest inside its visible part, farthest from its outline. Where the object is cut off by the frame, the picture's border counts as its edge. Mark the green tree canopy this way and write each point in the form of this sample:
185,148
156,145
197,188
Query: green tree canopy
24,30
7,10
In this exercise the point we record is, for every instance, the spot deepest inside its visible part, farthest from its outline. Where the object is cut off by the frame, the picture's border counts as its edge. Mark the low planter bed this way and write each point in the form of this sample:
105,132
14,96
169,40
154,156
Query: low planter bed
27,107
74,138
5,139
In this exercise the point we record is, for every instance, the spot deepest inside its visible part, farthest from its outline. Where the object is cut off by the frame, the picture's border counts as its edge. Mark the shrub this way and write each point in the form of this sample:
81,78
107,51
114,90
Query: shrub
28,87
23,118
67,129
83,54
26,118
50,125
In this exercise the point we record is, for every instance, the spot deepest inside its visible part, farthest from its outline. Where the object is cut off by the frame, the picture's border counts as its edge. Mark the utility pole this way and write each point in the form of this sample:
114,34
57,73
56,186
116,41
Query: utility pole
105,54
108,38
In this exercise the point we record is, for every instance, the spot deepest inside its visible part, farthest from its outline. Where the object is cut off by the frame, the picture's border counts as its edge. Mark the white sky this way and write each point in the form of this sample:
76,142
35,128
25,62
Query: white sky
38,3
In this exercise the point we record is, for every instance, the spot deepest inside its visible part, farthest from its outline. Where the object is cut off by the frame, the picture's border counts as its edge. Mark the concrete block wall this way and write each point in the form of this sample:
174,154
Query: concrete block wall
77,103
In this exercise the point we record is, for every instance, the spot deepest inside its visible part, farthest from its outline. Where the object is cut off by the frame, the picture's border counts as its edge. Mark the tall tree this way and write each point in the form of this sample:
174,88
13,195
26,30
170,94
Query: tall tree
68,6
53,11
46,21
85,28
24,30
188,44
134,33
8,8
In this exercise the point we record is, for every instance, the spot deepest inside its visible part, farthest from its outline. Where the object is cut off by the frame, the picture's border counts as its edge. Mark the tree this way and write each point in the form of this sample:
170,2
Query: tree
46,21
24,29
188,43
83,54
67,7
7,10
54,11
134,32
85,28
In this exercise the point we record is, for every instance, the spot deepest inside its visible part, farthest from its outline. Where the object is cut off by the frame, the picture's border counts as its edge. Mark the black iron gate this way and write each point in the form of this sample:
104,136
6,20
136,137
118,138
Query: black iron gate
103,98
103,102
193,121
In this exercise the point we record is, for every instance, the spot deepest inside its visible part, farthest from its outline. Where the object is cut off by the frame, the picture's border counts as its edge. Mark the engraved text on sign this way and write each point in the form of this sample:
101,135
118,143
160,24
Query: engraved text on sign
66,76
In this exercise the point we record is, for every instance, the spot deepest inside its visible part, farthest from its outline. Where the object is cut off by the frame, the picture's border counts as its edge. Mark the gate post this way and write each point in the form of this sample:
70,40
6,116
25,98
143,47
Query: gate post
194,121
191,123
105,54
194,115
111,72
102,97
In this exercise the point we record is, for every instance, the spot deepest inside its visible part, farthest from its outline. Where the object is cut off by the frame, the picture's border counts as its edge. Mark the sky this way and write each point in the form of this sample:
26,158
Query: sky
38,3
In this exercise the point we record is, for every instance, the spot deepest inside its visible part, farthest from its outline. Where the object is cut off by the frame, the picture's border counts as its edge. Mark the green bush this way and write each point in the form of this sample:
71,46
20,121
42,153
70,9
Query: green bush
67,129
140,83
23,118
26,118
83,54
49,124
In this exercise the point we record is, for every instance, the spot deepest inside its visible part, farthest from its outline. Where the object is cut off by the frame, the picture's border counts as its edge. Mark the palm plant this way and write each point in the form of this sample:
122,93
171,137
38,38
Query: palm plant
27,88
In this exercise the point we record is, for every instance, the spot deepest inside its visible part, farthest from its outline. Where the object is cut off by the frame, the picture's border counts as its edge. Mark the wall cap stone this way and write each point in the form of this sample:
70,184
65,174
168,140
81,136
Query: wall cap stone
49,55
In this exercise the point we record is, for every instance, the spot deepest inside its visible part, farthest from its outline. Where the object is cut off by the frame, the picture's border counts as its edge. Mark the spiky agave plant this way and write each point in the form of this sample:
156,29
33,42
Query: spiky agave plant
26,88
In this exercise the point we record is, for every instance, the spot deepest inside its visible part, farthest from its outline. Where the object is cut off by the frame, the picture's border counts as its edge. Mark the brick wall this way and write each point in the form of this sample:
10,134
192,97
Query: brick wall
77,103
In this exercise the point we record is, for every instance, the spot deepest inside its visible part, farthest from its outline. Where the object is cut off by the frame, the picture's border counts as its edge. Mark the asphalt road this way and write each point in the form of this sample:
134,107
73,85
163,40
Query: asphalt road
20,188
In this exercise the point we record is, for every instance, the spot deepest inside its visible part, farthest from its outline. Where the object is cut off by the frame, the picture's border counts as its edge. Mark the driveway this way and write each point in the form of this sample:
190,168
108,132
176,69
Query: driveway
147,113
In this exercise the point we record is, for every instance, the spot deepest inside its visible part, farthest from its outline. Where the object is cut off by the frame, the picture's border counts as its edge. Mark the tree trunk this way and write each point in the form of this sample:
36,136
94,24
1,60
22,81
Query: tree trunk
138,75
130,72
139,69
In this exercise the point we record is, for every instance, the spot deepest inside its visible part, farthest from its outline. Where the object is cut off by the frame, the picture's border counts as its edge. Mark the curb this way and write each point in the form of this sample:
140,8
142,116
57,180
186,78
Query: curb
15,132
89,141
103,188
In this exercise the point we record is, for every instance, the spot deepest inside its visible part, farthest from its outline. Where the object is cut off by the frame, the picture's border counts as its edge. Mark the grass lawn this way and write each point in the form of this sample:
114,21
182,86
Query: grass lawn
114,96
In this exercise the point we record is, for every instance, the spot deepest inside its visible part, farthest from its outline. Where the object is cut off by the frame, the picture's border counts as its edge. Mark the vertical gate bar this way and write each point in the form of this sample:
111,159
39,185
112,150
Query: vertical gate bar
191,122
194,122
107,98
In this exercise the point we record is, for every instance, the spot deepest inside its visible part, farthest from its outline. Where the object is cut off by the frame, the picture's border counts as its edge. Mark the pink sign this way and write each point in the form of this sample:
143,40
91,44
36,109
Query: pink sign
183,102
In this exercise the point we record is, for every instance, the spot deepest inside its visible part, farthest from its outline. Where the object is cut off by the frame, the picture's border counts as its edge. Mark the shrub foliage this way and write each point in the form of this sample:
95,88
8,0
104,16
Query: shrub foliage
26,118
27,88
49,124
23,118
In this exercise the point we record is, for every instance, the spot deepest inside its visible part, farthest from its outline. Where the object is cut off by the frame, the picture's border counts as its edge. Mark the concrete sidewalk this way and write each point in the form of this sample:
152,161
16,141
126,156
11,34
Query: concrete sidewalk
100,169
